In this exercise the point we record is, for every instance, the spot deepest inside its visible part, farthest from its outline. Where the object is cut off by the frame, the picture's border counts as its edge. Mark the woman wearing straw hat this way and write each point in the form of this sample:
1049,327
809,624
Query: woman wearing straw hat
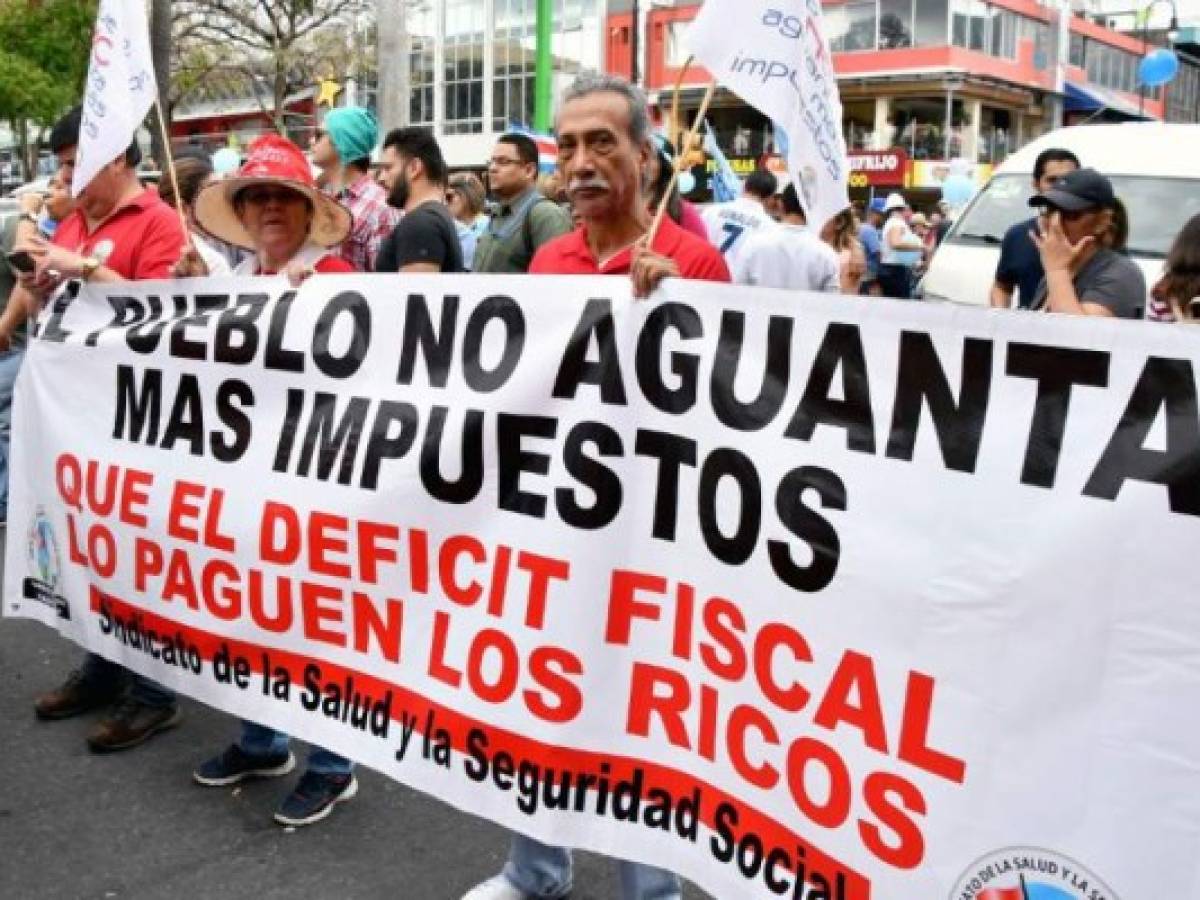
273,208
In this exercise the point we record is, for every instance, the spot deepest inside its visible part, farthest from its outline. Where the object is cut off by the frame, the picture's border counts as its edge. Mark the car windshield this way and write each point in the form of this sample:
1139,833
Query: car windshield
1158,209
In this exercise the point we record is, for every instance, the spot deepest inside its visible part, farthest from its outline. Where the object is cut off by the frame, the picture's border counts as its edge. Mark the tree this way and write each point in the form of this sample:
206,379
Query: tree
161,14
266,48
43,64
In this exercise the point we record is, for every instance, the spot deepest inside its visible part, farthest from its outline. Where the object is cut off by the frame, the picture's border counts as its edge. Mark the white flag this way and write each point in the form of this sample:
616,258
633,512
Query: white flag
774,55
120,88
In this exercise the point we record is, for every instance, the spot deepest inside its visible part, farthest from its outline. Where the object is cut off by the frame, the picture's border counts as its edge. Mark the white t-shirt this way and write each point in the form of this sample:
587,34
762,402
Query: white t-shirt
888,255
730,224
788,256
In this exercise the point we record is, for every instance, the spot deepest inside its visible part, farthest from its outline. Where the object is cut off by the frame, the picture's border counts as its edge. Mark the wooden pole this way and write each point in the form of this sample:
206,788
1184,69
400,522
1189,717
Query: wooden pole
662,205
170,161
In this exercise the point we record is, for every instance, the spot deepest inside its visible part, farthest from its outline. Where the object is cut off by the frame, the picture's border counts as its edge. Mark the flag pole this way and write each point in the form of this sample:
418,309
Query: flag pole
675,170
170,161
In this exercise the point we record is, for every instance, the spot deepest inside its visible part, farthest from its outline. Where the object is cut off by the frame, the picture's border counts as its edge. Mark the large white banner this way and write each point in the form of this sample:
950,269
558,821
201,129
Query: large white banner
887,599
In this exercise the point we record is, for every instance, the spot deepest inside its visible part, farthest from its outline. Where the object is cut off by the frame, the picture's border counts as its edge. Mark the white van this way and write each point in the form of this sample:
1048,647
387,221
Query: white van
1155,171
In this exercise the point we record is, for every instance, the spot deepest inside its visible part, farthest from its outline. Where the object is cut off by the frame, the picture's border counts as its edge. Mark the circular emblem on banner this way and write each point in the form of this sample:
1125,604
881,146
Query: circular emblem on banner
1029,873
43,551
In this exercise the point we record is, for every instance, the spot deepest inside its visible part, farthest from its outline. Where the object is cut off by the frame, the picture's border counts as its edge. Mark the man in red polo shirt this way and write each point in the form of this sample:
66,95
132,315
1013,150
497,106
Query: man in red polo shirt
603,153
119,231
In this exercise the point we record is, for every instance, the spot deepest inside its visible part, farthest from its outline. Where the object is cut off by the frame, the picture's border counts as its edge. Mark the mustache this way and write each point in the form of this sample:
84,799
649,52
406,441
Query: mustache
585,184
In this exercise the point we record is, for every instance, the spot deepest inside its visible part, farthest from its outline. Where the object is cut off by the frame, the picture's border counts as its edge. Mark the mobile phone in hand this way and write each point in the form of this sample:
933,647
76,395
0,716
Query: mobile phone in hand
22,261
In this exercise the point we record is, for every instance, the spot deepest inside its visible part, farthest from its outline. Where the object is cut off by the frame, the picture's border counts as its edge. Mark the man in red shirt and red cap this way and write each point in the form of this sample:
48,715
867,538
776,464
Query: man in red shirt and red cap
604,151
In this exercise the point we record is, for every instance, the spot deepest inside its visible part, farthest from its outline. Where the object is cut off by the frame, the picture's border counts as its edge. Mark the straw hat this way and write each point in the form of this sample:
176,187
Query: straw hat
271,160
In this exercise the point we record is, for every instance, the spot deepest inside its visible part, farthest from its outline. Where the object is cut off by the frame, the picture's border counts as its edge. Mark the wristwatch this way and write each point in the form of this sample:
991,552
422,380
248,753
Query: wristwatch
88,267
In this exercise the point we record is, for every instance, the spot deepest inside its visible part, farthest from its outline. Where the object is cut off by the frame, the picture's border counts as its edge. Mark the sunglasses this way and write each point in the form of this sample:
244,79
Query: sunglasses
260,196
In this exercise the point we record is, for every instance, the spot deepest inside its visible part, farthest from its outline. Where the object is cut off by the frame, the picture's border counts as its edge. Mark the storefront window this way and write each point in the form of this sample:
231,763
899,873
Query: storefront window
463,66
929,23
858,119
969,24
851,27
995,135
512,86
895,24
1077,51
422,29
1003,33
921,127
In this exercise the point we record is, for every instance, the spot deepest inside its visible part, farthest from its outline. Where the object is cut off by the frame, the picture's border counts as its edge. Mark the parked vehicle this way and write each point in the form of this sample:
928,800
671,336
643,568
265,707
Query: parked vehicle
1154,168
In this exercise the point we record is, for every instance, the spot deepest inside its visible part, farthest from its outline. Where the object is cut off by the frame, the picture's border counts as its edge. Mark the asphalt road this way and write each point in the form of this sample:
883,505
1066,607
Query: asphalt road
133,825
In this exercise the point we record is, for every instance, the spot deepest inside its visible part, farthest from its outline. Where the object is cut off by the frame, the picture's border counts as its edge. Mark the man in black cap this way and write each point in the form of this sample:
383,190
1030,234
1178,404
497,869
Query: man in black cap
1083,276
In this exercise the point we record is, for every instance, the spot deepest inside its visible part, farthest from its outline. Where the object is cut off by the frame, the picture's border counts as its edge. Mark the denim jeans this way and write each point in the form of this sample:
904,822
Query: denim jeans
259,740
10,364
545,871
99,670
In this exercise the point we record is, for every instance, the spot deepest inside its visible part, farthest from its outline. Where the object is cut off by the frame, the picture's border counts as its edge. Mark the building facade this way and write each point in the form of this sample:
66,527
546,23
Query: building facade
472,66
922,82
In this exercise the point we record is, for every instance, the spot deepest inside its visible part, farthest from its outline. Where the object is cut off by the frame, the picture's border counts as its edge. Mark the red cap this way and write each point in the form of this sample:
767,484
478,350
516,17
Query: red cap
272,156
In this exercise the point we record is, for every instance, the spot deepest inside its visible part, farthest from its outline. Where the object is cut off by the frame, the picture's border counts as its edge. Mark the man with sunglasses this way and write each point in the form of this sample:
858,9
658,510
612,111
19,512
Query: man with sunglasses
341,149
1083,276
524,220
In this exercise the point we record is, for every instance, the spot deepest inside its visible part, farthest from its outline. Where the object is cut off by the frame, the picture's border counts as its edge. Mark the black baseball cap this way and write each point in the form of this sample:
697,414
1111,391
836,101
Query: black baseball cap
1076,191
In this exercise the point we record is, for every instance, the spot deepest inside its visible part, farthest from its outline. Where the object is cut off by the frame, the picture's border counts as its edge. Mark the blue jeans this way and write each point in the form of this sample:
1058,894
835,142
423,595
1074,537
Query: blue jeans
259,740
545,871
99,670
10,364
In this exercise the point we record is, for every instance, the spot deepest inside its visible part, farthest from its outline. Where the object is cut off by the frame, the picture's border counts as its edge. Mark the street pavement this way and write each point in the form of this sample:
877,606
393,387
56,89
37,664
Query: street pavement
79,826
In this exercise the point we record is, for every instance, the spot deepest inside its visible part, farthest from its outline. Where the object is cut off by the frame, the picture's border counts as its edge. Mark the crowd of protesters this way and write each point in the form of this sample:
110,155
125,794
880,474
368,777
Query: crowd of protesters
274,217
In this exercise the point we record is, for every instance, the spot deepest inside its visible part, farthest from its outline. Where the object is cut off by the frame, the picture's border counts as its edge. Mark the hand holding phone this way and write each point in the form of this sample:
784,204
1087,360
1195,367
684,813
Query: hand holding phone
21,261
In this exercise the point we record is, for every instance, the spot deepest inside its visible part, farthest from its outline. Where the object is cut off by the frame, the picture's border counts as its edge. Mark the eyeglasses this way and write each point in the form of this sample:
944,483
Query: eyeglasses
262,195
499,161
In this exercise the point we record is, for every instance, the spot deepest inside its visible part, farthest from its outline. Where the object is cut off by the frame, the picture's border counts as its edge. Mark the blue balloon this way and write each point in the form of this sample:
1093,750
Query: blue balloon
957,190
225,161
1158,67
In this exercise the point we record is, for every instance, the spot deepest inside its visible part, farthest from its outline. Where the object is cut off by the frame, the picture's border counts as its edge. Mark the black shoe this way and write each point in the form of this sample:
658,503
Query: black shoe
314,798
131,723
234,765
77,695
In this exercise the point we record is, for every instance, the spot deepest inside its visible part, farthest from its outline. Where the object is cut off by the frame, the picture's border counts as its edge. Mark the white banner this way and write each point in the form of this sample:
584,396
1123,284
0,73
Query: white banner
774,55
120,88
890,599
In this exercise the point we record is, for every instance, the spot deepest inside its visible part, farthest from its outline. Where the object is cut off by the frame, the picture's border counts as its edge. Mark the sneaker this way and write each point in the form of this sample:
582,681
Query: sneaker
314,798
78,694
500,888
131,723
234,765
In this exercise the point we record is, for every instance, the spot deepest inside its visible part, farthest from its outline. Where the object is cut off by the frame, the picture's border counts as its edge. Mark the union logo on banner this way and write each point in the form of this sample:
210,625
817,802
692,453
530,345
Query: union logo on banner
1029,873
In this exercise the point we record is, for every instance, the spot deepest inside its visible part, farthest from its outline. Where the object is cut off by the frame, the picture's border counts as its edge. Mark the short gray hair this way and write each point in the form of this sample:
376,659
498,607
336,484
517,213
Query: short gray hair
601,82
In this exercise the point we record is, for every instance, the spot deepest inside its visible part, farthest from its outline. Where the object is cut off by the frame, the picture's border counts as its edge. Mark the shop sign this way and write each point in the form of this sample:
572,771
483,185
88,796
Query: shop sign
878,168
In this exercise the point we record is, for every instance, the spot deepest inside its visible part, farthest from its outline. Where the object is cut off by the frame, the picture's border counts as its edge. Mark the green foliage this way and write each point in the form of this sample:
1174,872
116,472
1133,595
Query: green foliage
44,62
